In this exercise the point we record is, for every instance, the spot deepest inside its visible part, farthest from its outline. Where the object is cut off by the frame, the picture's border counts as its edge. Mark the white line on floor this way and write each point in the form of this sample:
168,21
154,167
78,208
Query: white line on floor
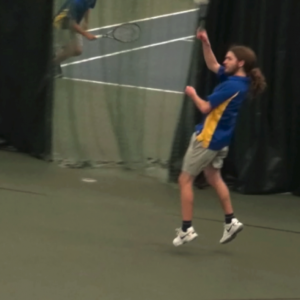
126,51
123,85
188,40
147,19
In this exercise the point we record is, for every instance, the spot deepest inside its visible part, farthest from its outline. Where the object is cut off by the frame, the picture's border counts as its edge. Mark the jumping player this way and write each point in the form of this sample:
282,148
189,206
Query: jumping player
209,144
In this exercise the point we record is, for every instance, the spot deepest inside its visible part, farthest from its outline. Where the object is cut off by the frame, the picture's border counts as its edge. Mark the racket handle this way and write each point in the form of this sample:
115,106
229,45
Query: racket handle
99,36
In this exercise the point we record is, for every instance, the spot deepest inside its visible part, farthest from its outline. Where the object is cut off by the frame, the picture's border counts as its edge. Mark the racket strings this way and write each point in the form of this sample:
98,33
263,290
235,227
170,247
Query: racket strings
127,33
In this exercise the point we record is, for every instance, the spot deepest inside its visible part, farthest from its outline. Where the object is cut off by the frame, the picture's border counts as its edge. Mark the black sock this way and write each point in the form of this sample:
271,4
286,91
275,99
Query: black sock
186,225
228,218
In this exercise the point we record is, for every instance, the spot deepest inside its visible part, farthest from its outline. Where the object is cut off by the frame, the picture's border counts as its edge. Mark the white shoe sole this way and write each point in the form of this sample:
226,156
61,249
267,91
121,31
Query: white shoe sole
185,242
233,236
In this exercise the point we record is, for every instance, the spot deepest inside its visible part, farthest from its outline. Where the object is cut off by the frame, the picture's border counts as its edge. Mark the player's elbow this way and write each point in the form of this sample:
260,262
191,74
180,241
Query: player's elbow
214,67
205,109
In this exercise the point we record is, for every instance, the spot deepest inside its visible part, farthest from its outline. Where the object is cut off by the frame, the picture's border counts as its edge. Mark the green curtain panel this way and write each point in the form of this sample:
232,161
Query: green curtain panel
117,104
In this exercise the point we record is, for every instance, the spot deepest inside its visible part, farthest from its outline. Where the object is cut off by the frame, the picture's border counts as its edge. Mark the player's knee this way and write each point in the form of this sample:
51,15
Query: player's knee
212,176
77,51
211,180
185,179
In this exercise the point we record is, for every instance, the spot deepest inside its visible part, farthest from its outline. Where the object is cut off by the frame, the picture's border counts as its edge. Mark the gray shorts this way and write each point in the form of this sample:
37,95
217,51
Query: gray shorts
198,158
67,38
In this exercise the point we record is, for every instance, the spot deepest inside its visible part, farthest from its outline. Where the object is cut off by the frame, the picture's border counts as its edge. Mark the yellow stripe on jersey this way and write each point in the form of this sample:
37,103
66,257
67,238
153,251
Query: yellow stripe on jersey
212,121
60,19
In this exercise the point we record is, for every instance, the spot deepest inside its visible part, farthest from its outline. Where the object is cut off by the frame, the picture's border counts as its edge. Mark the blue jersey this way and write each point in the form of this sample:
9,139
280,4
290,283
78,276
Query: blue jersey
79,8
217,129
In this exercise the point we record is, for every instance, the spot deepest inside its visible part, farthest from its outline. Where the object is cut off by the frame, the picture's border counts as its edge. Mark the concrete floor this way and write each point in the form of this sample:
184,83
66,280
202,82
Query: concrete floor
62,238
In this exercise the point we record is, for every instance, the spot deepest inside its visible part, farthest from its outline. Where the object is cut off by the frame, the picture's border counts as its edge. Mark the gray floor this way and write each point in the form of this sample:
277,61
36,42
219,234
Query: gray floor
62,238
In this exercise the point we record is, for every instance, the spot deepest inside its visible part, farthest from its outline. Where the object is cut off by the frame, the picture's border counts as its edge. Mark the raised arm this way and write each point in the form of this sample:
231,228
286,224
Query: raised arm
209,56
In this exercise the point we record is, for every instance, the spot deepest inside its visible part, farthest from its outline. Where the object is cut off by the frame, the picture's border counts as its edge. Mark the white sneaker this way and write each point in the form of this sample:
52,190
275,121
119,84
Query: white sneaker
231,230
184,237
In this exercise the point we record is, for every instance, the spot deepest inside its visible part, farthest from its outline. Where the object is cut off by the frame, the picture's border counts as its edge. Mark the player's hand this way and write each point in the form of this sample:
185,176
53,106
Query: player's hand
90,36
202,35
190,91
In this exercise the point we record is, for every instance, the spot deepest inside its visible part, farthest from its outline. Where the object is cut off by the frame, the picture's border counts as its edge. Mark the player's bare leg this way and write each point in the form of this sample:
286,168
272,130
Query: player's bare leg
232,226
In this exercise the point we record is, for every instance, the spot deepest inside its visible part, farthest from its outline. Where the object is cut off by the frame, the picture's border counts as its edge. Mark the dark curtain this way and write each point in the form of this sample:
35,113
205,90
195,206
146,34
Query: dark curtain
264,153
25,87
293,97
